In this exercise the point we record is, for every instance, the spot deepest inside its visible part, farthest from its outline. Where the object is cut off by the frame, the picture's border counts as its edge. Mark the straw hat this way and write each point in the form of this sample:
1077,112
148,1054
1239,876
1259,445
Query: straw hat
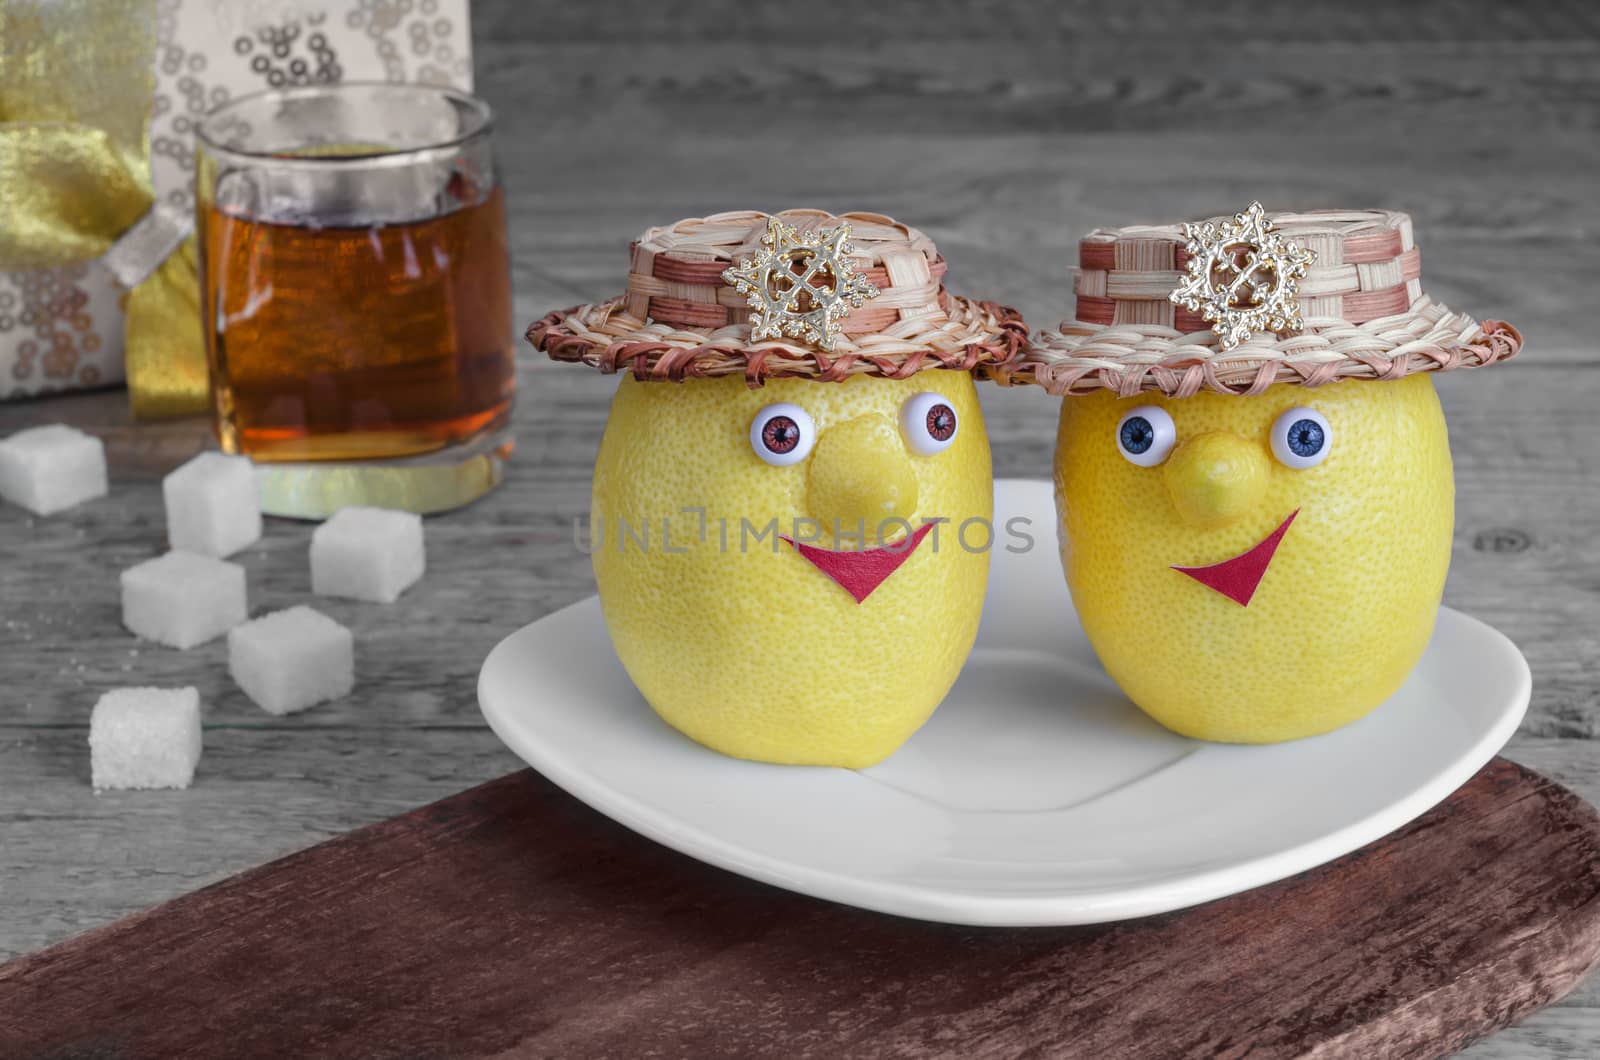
1238,304
797,294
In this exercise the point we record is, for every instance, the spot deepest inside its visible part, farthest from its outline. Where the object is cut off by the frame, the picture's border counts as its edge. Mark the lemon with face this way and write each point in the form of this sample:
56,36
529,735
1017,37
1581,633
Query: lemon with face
1252,469
792,504
794,573
1257,568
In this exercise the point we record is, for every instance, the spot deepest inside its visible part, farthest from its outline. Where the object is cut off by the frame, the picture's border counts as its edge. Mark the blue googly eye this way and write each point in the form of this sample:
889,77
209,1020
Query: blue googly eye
1301,438
1146,435
1305,438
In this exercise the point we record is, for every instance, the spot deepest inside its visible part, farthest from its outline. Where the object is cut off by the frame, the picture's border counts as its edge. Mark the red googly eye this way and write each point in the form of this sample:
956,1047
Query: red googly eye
780,435
929,423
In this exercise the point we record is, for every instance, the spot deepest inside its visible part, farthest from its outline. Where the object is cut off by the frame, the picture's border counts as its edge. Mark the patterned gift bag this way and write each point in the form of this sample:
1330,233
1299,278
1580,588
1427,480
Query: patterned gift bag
104,96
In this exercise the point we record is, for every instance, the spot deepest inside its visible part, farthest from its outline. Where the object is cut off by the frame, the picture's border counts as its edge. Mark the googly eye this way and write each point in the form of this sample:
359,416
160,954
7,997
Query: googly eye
782,434
1146,435
1301,438
929,423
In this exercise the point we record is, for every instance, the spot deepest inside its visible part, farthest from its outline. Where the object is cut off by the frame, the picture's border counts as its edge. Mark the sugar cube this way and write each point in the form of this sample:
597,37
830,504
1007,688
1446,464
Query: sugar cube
212,505
294,659
367,554
145,738
49,469
181,599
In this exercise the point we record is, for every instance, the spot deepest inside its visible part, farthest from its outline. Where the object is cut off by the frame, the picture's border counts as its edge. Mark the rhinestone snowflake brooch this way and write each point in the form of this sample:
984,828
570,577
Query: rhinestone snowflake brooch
1242,277
800,287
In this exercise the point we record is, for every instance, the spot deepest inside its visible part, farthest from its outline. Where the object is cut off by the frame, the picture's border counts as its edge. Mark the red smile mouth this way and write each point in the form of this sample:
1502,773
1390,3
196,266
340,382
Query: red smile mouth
860,571
1238,577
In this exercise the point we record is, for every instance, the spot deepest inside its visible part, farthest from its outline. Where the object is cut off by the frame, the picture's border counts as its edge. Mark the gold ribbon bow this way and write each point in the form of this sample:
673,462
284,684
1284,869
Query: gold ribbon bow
76,87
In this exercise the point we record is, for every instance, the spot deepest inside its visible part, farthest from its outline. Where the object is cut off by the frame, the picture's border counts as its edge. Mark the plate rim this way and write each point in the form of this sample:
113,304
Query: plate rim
1081,907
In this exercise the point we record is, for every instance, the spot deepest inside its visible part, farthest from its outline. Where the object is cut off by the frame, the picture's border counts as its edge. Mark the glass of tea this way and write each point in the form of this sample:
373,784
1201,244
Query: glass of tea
356,294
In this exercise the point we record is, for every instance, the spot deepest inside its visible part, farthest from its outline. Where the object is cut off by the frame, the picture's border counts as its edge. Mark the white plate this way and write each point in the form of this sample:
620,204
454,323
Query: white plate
1037,794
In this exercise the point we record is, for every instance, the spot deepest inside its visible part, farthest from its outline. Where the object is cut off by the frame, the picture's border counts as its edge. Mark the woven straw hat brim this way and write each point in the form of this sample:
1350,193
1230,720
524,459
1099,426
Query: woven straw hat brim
1129,359
973,335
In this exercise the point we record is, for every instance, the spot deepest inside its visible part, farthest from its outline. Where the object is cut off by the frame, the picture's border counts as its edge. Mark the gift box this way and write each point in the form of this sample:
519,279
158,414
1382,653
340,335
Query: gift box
99,101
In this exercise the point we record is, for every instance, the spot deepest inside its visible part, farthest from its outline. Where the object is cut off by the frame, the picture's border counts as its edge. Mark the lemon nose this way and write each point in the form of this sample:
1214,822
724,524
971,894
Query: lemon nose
861,475
1216,477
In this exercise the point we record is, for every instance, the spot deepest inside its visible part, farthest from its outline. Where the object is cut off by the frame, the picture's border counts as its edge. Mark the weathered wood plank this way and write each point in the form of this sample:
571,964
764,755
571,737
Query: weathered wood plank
1094,28
71,860
981,87
508,918
1008,210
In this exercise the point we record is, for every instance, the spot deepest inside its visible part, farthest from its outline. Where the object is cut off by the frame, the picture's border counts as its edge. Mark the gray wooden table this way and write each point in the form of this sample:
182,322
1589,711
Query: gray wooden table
1005,131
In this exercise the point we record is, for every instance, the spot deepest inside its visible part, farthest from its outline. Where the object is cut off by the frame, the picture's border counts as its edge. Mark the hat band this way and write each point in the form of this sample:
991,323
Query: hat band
1356,279
693,294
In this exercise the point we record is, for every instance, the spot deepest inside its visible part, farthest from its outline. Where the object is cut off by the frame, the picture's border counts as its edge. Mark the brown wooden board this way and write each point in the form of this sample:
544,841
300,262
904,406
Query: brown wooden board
512,920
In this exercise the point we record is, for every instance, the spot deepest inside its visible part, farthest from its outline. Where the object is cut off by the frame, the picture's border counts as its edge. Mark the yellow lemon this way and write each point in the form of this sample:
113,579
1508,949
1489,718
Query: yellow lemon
733,531
1256,569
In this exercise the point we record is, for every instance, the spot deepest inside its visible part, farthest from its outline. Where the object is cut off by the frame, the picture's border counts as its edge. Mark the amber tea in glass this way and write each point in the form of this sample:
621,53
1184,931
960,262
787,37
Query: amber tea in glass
356,288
